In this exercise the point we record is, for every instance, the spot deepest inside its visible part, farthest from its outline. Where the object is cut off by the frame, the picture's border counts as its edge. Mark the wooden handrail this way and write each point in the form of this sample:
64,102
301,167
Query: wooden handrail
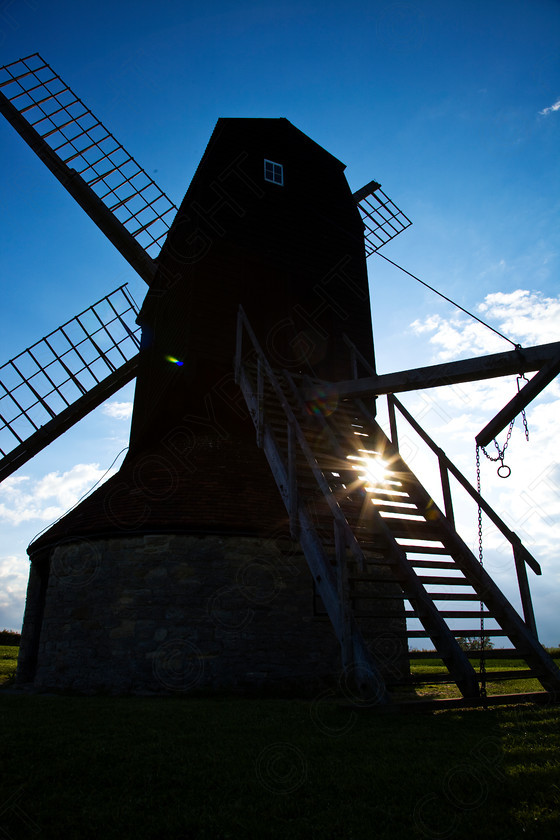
510,535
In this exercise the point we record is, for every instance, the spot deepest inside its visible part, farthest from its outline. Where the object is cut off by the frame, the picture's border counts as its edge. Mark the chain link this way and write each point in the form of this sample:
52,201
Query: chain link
523,415
499,457
482,668
501,452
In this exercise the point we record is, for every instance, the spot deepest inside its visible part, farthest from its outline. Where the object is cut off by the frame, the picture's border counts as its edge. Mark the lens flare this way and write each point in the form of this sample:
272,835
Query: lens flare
322,402
371,470
174,361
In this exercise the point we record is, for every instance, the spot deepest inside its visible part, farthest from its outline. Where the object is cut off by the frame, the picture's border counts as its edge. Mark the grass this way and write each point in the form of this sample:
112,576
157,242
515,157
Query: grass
8,663
233,768
513,686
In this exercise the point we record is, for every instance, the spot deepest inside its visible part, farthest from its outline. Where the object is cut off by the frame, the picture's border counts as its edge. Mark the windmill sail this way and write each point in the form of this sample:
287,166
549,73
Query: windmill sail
122,199
381,217
47,388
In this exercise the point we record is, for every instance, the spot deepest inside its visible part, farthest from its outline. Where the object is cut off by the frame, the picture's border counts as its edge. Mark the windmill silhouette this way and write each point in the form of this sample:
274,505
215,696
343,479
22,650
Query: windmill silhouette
211,559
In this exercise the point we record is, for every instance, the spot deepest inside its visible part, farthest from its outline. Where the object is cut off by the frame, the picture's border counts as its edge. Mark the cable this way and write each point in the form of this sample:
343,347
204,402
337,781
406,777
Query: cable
87,493
466,311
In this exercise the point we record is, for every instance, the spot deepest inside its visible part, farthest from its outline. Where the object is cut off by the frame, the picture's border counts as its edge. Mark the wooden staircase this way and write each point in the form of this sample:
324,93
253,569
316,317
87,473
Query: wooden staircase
387,564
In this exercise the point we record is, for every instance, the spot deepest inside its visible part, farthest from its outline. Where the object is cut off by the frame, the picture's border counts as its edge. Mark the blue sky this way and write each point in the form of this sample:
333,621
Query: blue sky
452,106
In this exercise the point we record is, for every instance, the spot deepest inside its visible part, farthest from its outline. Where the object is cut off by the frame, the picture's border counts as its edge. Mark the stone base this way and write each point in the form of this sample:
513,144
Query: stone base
181,614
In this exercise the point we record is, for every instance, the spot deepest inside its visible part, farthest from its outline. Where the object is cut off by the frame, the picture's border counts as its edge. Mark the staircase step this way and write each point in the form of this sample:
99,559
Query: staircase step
491,676
396,508
458,581
424,549
433,564
513,674
473,655
497,653
454,596
422,634
372,596
396,495
413,529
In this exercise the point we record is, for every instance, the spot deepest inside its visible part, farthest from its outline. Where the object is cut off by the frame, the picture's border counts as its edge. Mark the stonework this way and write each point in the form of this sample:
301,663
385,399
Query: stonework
181,613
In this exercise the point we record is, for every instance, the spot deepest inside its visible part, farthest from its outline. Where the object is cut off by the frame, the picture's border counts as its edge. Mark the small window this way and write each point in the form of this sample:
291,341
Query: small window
273,172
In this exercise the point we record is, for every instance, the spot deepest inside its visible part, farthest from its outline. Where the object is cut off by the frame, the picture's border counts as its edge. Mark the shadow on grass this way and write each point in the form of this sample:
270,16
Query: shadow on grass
229,768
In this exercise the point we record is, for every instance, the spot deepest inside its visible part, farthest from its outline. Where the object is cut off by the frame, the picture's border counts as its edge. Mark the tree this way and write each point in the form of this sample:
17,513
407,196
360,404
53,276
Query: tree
475,642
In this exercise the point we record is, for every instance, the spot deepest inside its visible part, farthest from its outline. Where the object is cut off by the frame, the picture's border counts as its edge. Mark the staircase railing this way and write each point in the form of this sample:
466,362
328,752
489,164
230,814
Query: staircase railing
294,435
522,557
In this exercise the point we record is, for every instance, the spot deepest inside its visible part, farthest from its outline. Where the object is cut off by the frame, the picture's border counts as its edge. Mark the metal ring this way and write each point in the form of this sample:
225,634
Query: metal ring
506,473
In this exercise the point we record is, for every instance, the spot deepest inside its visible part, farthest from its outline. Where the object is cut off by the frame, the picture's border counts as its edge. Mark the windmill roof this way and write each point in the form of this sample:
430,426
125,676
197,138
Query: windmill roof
269,124
226,482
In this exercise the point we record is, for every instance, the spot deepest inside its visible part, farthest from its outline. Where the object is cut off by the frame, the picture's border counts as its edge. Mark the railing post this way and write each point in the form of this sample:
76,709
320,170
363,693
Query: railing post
292,483
260,403
446,488
238,345
392,420
345,632
524,589
353,362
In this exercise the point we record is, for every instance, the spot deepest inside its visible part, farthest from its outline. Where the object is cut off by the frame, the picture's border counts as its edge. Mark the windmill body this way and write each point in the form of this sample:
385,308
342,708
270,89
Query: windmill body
180,571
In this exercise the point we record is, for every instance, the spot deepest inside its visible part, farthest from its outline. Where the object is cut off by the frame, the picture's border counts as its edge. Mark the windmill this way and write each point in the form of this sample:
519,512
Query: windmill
212,560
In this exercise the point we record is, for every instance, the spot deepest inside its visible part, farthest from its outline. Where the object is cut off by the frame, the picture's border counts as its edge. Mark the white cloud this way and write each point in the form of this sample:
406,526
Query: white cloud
118,410
550,109
528,317
13,584
523,316
455,337
48,498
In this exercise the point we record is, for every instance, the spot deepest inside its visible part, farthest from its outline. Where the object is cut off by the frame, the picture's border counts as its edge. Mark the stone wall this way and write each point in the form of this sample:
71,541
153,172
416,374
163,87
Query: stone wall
181,613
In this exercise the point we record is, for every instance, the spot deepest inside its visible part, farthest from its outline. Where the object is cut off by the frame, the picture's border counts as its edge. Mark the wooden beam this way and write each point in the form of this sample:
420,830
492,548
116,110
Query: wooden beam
545,375
520,360
366,190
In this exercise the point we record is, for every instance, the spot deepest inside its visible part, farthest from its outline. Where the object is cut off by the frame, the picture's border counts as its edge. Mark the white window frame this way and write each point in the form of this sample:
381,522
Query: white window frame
273,172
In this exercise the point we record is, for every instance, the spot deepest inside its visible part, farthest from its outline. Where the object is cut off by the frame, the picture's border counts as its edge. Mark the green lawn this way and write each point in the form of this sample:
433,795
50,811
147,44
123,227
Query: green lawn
442,690
90,767
8,662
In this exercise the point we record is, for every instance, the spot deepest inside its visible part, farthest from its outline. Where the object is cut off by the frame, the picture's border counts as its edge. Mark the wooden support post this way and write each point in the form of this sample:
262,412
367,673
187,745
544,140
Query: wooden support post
292,483
446,488
524,590
345,634
353,362
260,404
239,344
392,420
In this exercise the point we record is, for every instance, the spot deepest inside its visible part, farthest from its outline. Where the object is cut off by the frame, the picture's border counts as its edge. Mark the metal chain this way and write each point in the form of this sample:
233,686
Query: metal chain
523,415
505,470
482,668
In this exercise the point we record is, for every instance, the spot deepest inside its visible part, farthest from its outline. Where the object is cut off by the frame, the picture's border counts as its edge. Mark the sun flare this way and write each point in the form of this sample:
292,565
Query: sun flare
371,468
